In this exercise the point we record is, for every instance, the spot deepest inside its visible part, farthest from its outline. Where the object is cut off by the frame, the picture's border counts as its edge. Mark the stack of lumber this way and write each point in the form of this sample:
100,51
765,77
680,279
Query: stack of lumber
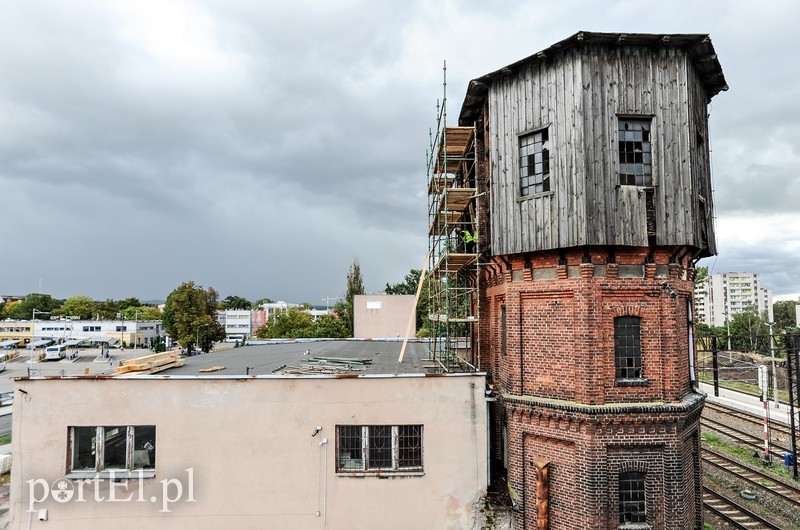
150,364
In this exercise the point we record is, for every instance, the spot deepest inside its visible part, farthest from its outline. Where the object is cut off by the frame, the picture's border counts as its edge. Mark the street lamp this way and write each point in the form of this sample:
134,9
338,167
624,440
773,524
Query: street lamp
198,334
33,329
136,329
728,328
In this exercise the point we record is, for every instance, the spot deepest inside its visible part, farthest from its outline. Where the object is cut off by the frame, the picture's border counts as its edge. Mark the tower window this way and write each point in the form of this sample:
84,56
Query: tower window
635,156
534,163
631,498
628,347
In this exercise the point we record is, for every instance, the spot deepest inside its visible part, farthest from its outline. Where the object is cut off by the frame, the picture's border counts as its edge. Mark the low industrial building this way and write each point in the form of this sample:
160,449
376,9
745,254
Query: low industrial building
356,450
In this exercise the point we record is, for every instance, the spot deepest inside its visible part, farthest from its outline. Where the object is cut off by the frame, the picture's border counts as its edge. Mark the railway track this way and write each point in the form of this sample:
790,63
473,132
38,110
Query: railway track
744,437
787,492
775,426
734,513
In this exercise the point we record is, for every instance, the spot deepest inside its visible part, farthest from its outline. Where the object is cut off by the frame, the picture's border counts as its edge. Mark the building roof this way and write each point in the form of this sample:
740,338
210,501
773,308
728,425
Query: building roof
312,358
698,46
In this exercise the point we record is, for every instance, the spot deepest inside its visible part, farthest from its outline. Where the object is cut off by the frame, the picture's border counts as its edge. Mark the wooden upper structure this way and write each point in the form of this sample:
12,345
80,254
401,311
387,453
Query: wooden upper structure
579,89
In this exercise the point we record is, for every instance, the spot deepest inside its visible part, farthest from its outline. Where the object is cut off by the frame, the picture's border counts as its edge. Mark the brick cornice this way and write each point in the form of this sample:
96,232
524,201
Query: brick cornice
691,403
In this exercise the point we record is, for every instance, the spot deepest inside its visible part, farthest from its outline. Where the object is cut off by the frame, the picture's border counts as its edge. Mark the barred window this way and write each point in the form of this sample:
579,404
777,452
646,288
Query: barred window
627,347
534,163
635,157
378,448
632,498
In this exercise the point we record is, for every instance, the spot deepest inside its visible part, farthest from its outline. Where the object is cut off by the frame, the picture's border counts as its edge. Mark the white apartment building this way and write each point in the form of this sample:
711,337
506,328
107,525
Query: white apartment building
237,323
723,295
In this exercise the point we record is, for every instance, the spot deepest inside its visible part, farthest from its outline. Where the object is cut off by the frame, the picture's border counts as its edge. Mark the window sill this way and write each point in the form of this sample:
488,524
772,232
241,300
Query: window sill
380,474
634,526
121,474
632,382
523,198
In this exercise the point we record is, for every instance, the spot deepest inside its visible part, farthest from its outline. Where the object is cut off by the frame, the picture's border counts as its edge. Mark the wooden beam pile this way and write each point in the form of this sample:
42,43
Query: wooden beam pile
149,364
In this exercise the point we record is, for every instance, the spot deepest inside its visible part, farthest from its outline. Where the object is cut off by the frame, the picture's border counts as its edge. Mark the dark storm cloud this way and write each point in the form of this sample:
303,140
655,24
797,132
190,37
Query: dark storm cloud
259,147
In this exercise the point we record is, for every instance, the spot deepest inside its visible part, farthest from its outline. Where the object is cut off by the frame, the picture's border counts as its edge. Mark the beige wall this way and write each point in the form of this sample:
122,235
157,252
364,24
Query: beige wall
379,316
248,443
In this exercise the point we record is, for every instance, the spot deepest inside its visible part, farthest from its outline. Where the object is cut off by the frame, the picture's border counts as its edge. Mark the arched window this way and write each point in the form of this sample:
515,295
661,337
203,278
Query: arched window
627,347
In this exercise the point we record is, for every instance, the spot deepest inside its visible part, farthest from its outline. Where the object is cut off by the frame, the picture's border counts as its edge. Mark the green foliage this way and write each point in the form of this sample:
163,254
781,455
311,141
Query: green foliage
189,312
261,301
746,327
407,286
298,324
701,275
331,327
355,286
235,302
785,317
79,305
23,310
142,312
291,324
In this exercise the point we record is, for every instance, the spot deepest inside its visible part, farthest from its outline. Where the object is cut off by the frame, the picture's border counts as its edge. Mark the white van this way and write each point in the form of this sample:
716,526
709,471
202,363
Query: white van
55,353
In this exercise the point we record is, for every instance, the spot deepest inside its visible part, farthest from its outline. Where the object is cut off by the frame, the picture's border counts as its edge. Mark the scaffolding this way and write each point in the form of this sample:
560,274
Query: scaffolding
453,243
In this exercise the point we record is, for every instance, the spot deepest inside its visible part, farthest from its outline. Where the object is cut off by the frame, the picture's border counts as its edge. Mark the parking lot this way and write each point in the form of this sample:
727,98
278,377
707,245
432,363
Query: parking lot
89,361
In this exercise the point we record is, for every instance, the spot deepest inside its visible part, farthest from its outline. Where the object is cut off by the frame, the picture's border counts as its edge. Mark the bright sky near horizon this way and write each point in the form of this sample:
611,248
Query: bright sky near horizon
258,147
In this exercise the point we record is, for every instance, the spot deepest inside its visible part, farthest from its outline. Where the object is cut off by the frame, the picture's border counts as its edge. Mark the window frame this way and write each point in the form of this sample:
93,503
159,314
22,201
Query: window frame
638,497
647,179
545,177
129,470
366,435
628,352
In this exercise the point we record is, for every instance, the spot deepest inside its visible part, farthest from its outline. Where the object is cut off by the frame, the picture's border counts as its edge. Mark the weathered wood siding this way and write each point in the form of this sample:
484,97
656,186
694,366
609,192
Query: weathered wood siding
579,95
540,95
701,165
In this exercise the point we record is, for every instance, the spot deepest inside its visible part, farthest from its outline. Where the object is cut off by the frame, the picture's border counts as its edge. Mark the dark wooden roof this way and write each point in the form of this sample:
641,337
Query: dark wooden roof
698,46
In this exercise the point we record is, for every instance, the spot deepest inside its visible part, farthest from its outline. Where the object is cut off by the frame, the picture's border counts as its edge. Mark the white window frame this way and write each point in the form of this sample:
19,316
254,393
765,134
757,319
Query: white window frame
99,455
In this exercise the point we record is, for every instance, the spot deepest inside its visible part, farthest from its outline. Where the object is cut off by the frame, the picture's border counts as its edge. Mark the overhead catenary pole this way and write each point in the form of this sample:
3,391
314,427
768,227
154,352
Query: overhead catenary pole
791,351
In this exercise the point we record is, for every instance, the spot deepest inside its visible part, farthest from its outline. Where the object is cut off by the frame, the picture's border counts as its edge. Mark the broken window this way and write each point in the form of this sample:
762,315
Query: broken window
628,347
117,448
631,498
534,163
378,448
635,156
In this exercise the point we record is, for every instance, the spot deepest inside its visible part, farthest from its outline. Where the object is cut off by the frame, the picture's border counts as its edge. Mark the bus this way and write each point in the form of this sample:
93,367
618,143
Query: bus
55,352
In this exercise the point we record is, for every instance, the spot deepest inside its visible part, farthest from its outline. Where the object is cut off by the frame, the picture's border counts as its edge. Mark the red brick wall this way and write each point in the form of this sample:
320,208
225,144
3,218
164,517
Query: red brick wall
558,394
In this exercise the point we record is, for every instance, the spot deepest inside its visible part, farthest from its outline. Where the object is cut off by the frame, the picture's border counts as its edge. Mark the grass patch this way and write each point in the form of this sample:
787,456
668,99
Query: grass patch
745,454
5,439
707,526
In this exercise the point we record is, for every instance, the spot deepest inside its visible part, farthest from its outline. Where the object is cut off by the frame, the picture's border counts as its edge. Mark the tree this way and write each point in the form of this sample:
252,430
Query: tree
746,328
330,327
261,301
291,324
142,312
355,286
235,302
407,286
785,316
24,309
79,306
189,313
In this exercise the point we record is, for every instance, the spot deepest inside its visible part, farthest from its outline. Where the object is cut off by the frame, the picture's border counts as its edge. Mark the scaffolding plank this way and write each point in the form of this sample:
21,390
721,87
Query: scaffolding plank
444,223
451,263
456,199
453,148
439,182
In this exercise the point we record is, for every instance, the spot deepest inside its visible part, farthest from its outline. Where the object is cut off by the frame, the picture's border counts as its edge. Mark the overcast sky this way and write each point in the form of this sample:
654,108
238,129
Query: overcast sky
258,146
